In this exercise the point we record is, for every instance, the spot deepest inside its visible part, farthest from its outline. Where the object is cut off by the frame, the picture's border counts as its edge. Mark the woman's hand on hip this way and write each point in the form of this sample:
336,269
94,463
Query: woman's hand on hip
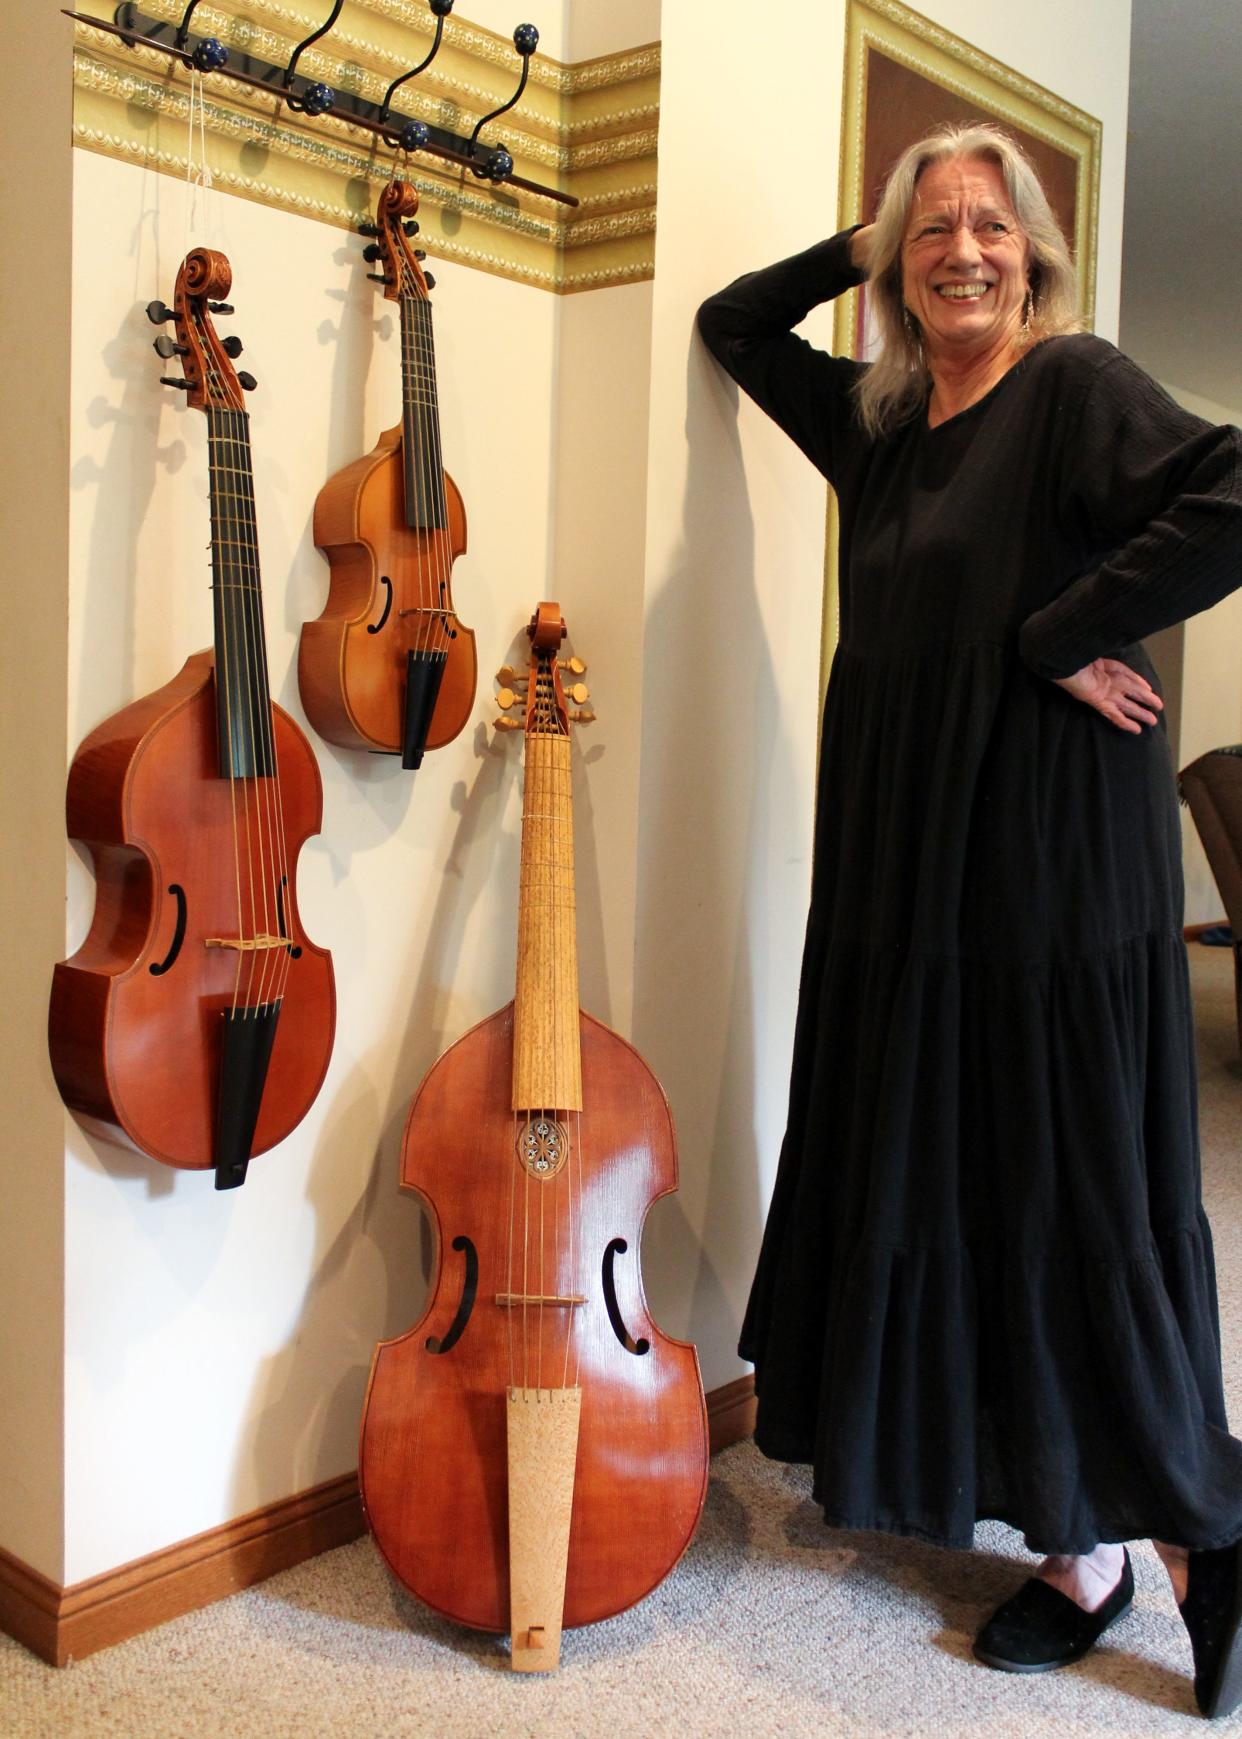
1120,694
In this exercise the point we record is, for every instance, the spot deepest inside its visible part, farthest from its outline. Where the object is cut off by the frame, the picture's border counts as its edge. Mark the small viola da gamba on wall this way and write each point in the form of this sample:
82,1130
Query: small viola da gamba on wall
388,666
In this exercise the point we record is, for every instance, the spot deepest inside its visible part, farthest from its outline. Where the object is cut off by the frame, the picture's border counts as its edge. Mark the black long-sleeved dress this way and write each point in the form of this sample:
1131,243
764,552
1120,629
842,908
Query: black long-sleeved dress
986,1286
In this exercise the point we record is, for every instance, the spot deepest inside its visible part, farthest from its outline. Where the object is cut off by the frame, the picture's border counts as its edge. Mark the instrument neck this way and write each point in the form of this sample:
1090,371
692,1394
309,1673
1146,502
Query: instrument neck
547,1061
243,697
425,506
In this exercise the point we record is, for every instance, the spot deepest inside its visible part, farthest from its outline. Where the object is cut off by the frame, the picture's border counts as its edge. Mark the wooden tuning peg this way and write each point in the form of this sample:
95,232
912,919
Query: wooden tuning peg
508,724
574,664
579,692
505,699
509,677
586,717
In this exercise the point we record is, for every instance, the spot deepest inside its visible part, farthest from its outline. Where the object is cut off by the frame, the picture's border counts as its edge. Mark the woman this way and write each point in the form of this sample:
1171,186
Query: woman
986,1286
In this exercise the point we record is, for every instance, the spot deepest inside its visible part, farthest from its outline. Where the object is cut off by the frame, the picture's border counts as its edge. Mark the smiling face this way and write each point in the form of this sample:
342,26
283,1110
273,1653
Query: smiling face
964,260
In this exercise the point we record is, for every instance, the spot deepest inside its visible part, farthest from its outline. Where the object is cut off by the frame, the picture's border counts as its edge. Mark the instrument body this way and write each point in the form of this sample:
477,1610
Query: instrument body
137,1054
387,666
353,680
195,1023
534,1450
433,1466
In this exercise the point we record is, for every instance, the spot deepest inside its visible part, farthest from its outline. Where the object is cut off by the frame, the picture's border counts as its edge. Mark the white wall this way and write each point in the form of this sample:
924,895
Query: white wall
733,589
1211,694
603,381
597,27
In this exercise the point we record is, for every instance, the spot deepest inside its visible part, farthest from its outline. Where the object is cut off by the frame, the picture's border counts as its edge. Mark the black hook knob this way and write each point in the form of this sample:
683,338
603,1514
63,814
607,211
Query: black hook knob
158,312
498,164
440,8
247,381
414,135
210,55
526,39
167,347
231,346
318,99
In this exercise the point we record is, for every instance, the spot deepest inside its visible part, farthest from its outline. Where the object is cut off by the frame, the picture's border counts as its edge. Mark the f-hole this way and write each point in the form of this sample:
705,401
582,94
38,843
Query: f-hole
295,953
616,1248
374,627
159,967
470,1285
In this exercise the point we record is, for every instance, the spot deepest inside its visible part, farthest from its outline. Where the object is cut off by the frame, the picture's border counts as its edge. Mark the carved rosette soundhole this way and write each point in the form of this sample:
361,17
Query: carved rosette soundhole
543,1147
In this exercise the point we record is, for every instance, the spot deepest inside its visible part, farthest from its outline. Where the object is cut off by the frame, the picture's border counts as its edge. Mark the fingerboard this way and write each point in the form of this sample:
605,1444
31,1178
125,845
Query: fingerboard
243,698
424,462
547,1061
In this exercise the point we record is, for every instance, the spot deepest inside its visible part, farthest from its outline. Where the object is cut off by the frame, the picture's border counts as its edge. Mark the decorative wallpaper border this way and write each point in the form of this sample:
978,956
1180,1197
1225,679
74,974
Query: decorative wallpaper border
589,129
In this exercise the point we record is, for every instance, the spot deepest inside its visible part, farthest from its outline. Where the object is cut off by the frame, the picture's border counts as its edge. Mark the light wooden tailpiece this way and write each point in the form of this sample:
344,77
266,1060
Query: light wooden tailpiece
543,1449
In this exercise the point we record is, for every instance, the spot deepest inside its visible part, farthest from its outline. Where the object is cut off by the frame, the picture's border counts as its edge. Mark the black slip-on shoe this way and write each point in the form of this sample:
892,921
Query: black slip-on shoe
1212,1613
1041,1628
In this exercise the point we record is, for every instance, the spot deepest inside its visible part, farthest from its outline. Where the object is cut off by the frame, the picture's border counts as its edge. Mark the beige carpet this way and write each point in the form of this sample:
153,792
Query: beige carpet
771,1625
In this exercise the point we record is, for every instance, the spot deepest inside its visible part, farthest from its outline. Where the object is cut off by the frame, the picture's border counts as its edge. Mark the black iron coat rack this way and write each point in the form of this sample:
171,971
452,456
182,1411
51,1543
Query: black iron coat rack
312,98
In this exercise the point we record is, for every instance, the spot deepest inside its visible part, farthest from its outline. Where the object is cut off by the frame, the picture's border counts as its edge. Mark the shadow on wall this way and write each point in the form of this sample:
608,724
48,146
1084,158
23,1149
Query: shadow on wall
122,488
711,759
353,429
369,1280
595,990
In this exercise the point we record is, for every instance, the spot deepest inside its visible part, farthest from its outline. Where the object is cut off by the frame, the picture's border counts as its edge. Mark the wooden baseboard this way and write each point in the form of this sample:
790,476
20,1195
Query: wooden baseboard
29,1606
63,1624
731,1413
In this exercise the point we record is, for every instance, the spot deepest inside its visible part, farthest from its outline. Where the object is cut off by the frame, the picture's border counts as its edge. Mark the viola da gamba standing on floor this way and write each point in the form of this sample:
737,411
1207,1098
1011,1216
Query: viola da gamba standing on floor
534,1450
196,1020
388,666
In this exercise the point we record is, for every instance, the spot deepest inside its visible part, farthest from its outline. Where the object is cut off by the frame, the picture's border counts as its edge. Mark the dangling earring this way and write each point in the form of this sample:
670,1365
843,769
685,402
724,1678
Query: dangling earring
1025,334
914,332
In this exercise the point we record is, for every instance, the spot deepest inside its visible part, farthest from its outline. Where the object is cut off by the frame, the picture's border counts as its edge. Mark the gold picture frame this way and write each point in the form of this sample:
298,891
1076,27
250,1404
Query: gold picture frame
903,76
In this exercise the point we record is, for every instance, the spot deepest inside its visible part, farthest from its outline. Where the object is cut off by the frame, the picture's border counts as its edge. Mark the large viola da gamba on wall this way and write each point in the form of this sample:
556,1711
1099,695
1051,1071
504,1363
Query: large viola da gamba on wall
195,1022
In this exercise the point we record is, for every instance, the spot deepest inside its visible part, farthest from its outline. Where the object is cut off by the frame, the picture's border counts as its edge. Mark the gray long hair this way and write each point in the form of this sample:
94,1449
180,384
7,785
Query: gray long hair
898,381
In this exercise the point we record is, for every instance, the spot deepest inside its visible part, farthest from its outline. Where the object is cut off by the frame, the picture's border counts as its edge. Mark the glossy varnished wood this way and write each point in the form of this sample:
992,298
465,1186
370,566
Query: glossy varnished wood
433,1456
137,1055
352,682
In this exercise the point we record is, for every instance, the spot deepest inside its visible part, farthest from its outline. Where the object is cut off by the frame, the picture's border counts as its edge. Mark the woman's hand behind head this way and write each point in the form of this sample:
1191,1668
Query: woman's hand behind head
860,247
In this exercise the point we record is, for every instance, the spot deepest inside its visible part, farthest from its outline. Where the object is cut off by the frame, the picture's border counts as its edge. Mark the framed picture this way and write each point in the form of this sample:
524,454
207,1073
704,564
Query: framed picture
905,76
